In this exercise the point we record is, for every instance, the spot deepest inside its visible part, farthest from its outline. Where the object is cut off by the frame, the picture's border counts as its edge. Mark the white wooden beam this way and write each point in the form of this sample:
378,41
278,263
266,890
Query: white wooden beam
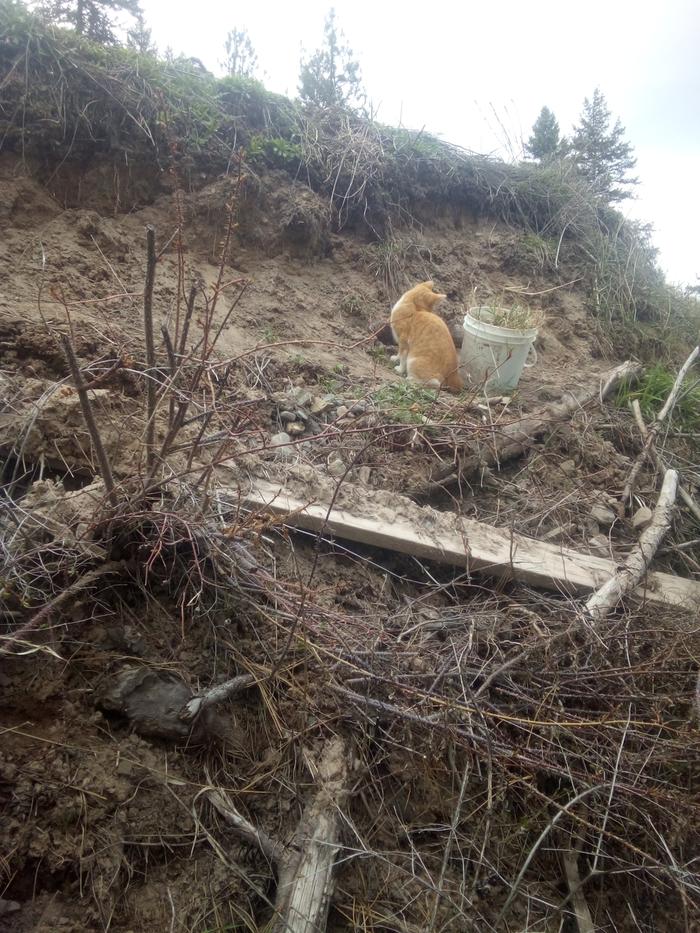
469,544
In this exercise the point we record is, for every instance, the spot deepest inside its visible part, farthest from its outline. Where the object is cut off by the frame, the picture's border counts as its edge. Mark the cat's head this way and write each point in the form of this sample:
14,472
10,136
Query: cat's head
427,293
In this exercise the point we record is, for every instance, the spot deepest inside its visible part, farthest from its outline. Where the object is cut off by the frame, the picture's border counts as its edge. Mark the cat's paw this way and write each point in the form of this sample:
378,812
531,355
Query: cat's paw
399,369
395,358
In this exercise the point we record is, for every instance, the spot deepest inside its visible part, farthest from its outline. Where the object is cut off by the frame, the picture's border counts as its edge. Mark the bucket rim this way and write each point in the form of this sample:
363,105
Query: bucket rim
497,328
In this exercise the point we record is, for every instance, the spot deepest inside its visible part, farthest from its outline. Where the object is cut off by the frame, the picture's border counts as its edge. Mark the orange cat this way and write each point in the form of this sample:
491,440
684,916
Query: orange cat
427,353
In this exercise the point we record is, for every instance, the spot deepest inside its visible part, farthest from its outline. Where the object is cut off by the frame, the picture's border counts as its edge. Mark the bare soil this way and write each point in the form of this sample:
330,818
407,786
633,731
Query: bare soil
107,829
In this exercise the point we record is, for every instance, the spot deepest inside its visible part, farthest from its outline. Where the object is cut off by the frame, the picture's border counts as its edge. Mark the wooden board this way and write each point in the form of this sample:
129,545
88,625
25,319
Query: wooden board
479,548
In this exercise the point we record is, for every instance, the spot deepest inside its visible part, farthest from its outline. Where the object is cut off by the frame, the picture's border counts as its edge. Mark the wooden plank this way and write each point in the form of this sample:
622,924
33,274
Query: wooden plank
472,545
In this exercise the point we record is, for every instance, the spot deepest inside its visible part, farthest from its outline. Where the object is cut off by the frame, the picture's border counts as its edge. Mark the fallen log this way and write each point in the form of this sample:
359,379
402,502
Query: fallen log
514,439
661,464
305,884
452,539
304,866
628,576
653,430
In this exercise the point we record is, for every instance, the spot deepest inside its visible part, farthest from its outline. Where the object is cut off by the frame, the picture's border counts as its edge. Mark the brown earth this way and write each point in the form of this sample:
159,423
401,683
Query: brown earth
104,829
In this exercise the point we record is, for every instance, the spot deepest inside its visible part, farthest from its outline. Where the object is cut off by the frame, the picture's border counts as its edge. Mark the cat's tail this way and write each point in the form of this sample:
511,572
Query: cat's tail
454,381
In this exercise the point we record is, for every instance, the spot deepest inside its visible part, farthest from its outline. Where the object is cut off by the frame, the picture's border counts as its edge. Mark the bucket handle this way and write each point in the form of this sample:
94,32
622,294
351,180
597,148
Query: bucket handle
534,353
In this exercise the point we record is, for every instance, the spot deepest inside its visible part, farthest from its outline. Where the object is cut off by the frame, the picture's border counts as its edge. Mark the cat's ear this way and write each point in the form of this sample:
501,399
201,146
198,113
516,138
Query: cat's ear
429,284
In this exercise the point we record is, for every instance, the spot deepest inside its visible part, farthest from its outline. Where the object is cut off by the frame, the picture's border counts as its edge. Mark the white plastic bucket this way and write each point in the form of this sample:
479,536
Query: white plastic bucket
494,356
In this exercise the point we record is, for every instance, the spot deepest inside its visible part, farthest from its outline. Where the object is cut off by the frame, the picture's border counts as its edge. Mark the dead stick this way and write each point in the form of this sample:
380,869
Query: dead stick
660,462
609,595
582,913
654,430
105,466
305,884
516,438
217,694
150,347
44,613
272,850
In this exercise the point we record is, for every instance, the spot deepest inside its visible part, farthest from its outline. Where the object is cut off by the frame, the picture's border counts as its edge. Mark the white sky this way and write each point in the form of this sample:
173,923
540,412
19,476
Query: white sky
478,74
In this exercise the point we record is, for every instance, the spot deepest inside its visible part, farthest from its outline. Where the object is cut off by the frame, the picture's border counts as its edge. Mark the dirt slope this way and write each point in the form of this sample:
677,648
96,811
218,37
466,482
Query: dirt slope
105,829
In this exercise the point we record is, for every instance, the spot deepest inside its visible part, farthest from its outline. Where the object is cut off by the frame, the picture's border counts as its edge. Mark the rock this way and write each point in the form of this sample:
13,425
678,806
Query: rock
301,415
600,544
302,396
288,416
364,474
603,515
280,441
358,408
296,427
321,405
558,532
342,411
641,518
336,467
568,467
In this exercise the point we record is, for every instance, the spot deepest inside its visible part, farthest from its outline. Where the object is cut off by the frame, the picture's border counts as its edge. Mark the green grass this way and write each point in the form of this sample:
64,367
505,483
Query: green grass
380,354
653,390
405,402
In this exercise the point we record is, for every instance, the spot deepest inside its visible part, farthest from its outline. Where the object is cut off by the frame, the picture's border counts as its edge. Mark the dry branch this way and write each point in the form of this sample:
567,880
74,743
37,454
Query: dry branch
270,848
305,866
105,465
514,439
305,882
82,583
150,347
654,430
659,460
217,694
582,913
608,596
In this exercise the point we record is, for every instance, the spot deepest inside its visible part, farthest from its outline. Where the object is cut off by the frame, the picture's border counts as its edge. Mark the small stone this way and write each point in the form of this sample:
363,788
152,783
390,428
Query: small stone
296,427
342,411
321,405
359,408
600,543
642,517
336,467
568,467
506,400
364,474
280,441
125,768
302,396
301,415
288,416
603,515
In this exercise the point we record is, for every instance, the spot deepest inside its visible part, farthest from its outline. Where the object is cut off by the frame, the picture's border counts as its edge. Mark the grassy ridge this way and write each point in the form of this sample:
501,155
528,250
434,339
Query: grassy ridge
65,98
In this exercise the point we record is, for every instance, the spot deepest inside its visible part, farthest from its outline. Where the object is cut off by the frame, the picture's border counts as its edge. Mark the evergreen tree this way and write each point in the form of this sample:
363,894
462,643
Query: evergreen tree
331,76
241,60
600,152
139,38
545,142
90,18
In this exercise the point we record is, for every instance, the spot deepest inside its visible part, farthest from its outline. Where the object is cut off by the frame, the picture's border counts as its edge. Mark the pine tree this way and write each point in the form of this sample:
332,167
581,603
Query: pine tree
601,153
241,60
331,76
545,142
139,38
89,18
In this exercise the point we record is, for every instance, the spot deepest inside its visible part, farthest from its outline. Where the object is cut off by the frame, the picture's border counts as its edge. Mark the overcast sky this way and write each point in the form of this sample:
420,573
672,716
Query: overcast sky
478,74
